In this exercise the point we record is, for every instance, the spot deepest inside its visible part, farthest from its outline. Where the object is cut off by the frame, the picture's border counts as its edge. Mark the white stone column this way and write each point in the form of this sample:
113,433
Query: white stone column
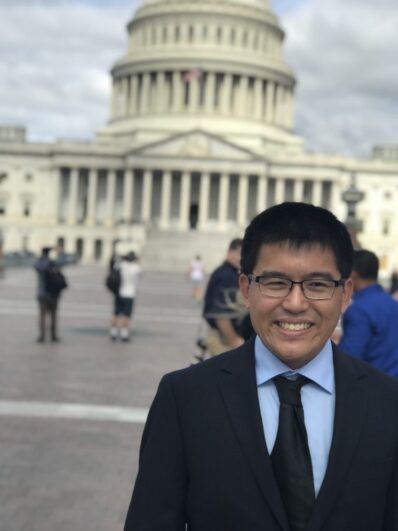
92,197
125,97
270,103
243,91
56,180
161,92
278,104
298,193
133,94
185,200
335,198
177,85
317,193
145,87
73,196
210,92
279,190
193,103
110,198
262,193
223,199
243,189
165,200
226,94
291,109
258,98
204,199
147,196
128,191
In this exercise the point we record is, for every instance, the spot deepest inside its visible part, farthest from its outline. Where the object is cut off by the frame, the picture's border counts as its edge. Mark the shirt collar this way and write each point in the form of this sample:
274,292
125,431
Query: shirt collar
365,291
320,369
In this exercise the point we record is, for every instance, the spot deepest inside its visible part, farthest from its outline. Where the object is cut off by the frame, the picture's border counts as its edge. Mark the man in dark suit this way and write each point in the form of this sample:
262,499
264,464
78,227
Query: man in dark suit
285,433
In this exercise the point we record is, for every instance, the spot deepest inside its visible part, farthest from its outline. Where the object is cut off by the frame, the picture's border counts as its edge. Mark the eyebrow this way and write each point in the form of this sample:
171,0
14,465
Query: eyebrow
314,274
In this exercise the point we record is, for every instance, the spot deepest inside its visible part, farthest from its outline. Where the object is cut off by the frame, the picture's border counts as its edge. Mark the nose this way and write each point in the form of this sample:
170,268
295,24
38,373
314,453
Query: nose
295,301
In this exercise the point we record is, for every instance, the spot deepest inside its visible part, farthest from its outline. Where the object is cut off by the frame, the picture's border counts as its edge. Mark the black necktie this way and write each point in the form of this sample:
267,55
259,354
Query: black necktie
290,456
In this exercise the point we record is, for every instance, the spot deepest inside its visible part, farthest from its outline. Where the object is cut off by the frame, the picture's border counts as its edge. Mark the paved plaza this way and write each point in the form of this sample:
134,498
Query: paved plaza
72,413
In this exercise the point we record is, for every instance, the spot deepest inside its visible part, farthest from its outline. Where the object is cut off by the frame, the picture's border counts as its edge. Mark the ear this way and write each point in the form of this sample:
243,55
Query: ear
348,288
244,285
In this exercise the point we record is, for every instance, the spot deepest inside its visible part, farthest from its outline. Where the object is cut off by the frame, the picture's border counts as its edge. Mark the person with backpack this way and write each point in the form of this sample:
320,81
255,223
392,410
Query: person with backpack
122,282
51,282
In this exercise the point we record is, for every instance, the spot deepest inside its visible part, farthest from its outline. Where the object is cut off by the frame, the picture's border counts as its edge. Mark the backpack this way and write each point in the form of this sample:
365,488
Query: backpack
113,280
54,280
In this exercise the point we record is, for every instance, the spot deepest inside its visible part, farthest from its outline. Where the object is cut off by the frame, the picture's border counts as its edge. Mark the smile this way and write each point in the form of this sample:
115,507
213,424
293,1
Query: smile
294,326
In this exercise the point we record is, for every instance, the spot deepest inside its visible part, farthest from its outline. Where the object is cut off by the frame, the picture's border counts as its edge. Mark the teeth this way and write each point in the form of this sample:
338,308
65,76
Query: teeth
294,326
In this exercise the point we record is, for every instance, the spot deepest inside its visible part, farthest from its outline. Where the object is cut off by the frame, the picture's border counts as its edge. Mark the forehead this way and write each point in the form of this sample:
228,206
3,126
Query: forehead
305,259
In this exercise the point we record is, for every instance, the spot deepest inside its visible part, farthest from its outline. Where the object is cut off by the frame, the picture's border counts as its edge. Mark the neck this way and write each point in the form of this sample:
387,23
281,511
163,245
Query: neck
364,283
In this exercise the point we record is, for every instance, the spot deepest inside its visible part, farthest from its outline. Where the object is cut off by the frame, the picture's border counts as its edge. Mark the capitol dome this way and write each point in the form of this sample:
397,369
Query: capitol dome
203,64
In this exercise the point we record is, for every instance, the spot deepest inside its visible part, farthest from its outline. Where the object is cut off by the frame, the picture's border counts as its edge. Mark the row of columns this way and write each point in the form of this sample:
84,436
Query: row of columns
227,94
184,199
231,36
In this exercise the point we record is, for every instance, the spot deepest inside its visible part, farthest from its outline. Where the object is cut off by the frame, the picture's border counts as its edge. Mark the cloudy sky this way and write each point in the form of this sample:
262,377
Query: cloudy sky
56,56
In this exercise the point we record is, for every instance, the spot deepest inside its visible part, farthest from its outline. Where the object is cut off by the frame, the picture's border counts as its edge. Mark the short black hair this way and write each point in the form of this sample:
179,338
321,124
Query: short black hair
297,225
236,243
366,264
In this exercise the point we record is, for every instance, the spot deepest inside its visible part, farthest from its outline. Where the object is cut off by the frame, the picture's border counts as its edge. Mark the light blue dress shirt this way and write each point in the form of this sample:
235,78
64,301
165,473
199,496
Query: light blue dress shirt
317,397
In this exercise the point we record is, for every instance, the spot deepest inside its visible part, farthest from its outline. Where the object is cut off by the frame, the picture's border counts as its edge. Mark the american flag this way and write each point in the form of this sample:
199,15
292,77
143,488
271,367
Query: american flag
191,75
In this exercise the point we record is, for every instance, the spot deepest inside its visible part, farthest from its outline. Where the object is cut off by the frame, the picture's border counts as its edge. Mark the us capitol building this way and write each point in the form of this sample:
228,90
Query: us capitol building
200,138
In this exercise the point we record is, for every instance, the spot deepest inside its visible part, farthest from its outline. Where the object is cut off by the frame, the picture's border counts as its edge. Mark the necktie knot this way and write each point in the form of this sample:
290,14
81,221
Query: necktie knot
289,390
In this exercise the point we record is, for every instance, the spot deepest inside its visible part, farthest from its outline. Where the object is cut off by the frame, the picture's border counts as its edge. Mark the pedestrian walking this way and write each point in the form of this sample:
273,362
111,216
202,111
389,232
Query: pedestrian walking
51,282
196,275
128,271
220,303
370,323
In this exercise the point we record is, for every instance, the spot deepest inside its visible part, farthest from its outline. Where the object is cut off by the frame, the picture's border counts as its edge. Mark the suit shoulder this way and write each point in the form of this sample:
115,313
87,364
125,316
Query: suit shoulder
206,370
377,378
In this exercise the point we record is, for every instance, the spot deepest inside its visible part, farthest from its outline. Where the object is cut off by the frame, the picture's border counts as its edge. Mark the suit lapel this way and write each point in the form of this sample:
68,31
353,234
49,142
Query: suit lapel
239,390
351,407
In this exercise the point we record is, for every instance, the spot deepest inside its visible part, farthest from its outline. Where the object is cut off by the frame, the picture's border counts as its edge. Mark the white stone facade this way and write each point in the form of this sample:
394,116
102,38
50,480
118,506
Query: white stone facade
200,139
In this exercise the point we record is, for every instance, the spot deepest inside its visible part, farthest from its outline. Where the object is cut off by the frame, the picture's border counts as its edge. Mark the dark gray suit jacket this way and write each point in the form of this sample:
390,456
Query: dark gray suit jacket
204,464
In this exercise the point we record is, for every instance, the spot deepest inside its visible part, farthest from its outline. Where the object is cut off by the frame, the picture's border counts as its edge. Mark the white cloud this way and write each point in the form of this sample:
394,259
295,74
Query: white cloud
56,57
344,56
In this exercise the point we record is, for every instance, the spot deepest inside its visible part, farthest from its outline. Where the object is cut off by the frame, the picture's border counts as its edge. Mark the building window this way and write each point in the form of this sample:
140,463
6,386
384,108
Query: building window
386,227
27,209
28,177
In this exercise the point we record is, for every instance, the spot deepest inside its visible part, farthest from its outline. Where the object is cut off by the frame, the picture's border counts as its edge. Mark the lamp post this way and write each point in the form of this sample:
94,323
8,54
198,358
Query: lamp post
352,196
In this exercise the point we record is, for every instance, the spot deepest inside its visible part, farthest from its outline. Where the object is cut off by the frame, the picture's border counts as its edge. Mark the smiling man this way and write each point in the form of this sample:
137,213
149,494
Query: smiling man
285,433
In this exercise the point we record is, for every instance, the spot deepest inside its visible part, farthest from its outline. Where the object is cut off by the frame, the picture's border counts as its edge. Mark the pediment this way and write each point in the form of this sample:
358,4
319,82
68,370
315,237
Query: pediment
198,145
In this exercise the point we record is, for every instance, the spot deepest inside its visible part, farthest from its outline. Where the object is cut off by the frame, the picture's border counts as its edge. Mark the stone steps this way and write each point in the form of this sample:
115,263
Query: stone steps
173,251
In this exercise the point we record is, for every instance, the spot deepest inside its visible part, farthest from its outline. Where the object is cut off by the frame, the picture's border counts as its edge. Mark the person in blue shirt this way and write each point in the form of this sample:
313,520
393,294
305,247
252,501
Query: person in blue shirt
370,323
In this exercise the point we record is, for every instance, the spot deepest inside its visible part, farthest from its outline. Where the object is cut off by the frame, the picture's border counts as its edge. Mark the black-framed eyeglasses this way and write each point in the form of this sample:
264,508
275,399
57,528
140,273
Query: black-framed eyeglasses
316,289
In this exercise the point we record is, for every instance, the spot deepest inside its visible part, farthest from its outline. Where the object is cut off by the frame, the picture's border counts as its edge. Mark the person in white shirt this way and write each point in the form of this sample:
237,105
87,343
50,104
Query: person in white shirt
197,277
124,300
